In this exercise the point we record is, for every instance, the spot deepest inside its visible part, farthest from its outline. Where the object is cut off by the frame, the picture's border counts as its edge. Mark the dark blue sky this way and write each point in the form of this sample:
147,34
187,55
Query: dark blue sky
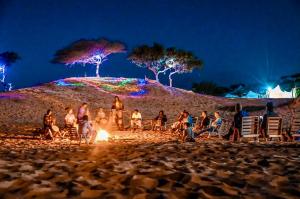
234,38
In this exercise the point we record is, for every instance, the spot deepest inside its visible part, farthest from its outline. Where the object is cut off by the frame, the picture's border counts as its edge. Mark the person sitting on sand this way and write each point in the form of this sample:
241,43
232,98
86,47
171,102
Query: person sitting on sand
70,119
136,119
49,122
86,129
101,119
204,123
188,134
82,111
117,112
159,121
269,113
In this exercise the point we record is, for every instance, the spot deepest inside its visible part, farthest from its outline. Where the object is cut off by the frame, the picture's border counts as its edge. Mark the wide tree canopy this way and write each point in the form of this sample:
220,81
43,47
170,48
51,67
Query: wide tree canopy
181,61
84,51
150,57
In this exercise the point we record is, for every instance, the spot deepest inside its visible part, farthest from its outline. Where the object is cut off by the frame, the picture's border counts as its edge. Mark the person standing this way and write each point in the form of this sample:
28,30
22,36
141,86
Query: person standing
82,111
117,112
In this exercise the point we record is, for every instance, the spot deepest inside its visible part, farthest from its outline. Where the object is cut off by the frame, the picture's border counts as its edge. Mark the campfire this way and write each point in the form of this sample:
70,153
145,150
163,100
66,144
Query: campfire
102,135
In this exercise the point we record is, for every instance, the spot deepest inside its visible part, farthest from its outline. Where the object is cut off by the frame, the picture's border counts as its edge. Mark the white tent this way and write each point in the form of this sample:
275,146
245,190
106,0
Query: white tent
231,96
251,94
278,93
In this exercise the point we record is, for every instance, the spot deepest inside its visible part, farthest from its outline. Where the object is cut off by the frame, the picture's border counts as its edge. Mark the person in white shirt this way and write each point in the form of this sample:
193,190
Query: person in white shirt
136,119
70,119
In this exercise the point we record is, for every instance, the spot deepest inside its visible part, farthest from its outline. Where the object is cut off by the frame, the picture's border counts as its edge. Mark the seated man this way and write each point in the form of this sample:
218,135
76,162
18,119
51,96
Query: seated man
70,119
159,121
188,134
49,122
136,119
70,123
204,123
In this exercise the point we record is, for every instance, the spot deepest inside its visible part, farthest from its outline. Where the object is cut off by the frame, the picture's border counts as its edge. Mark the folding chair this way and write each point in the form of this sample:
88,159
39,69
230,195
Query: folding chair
250,126
274,127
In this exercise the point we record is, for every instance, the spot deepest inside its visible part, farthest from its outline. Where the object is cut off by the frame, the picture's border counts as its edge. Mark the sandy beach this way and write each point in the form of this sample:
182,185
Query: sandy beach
143,164
148,165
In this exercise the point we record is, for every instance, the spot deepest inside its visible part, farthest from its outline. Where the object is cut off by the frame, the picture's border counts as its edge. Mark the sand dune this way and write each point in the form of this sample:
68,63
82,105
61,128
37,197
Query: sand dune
24,108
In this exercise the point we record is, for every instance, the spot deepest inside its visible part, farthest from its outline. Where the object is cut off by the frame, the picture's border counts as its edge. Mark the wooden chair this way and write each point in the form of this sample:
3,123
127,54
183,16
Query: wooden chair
71,133
250,128
274,127
295,124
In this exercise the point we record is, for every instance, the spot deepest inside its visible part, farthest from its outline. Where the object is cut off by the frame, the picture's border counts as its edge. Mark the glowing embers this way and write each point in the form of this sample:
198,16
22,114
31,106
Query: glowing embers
102,135
11,96
68,83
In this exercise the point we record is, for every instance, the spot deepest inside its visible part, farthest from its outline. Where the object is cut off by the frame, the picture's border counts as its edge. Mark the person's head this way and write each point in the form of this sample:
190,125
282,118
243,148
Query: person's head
136,111
85,118
100,110
270,107
161,113
204,114
217,114
70,111
117,99
185,113
49,112
84,105
186,125
238,107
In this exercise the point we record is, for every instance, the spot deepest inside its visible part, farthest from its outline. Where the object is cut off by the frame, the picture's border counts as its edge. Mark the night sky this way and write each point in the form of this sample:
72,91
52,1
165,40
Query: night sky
246,41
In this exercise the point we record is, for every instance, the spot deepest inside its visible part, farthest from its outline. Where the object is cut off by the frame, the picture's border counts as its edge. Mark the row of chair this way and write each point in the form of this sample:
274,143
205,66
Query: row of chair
250,127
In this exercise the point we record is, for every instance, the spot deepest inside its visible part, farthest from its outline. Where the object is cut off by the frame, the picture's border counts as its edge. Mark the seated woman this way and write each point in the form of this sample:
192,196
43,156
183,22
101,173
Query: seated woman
184,117
101,119
269,113
159,121
204,123
136,119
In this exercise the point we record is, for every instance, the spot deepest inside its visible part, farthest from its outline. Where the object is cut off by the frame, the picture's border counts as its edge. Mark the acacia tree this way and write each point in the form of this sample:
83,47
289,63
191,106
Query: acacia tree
6,60
180,61
93,51
150,57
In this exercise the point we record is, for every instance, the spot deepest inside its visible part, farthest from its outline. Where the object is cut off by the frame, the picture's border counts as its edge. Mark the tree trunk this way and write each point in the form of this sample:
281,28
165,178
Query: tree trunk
170,78
97,69
3,74
156,77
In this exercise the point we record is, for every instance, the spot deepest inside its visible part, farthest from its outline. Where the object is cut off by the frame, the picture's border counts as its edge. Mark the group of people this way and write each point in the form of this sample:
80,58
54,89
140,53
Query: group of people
184,125
82,122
